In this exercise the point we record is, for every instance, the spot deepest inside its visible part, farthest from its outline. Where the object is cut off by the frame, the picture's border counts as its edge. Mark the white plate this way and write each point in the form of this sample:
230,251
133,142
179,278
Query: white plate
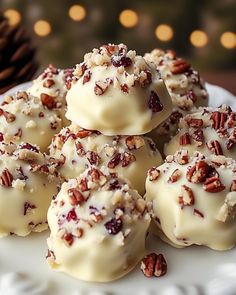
191,271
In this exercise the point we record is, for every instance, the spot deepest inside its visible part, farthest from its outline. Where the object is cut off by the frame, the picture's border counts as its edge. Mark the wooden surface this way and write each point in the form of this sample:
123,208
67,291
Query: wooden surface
226,80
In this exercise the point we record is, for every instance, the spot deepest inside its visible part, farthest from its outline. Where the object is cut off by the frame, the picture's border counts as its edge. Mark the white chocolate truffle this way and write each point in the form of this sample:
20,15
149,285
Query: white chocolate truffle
98,227
194,200
51,86
130,156
27,186
24,118
185,86
207,130
115,92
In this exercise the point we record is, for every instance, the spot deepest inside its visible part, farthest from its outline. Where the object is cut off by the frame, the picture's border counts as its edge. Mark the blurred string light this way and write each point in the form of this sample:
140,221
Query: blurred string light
164,32
77,13
13,16
228,40
42,28
198,38
128,18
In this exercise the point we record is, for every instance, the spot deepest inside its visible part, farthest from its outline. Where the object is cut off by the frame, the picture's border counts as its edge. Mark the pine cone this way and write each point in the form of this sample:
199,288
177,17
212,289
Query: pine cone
17,56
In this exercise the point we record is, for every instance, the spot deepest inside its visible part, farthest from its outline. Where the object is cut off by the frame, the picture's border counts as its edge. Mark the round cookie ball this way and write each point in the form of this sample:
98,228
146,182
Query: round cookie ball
207,130
115,92
186,88
194,200
130,156
98,227
50,87
24,118
27,185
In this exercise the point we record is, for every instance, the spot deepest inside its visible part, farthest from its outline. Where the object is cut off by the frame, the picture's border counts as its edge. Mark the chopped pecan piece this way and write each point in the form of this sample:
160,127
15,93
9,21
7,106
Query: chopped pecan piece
233,186
175,176
76,197
68,239
48,101
198,137
71,215
83,185
83,133
87,77
213,185
134,142
182,157
100,87
185,139
215,147
48,83
199,172
187,197
114,161
198,213
154,265
93,158
179,66
192,122
127,159
28,207
8,116
153,174
6,178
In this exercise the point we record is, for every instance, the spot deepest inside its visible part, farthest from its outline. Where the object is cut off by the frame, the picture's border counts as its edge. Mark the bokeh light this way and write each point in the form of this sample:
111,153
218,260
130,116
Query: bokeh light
228,40
164,32
42,28
77,13
13,16
198,38
128,18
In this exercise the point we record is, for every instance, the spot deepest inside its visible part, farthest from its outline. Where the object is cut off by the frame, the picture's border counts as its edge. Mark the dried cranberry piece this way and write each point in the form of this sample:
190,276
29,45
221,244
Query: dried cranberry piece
122,60
113,226
71,215
1,137
154,102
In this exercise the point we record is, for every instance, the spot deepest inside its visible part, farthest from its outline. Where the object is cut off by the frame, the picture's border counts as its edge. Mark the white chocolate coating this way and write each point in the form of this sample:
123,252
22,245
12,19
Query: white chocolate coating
194,200
185,86
24,118
129,156
207,130
53,83
115,92
98,227
27,186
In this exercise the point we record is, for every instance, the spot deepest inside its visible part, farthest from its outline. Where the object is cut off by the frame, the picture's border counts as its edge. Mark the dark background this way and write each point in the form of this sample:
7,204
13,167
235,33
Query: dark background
68,40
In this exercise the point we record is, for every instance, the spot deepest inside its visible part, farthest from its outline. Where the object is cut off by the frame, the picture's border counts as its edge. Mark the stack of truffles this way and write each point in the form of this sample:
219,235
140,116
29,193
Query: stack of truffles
99,219
76,156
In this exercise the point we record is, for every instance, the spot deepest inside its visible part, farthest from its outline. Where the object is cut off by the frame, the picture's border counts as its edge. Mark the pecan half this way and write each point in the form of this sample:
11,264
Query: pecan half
213,185
154,265
187,197
185,139
6,178
179,66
